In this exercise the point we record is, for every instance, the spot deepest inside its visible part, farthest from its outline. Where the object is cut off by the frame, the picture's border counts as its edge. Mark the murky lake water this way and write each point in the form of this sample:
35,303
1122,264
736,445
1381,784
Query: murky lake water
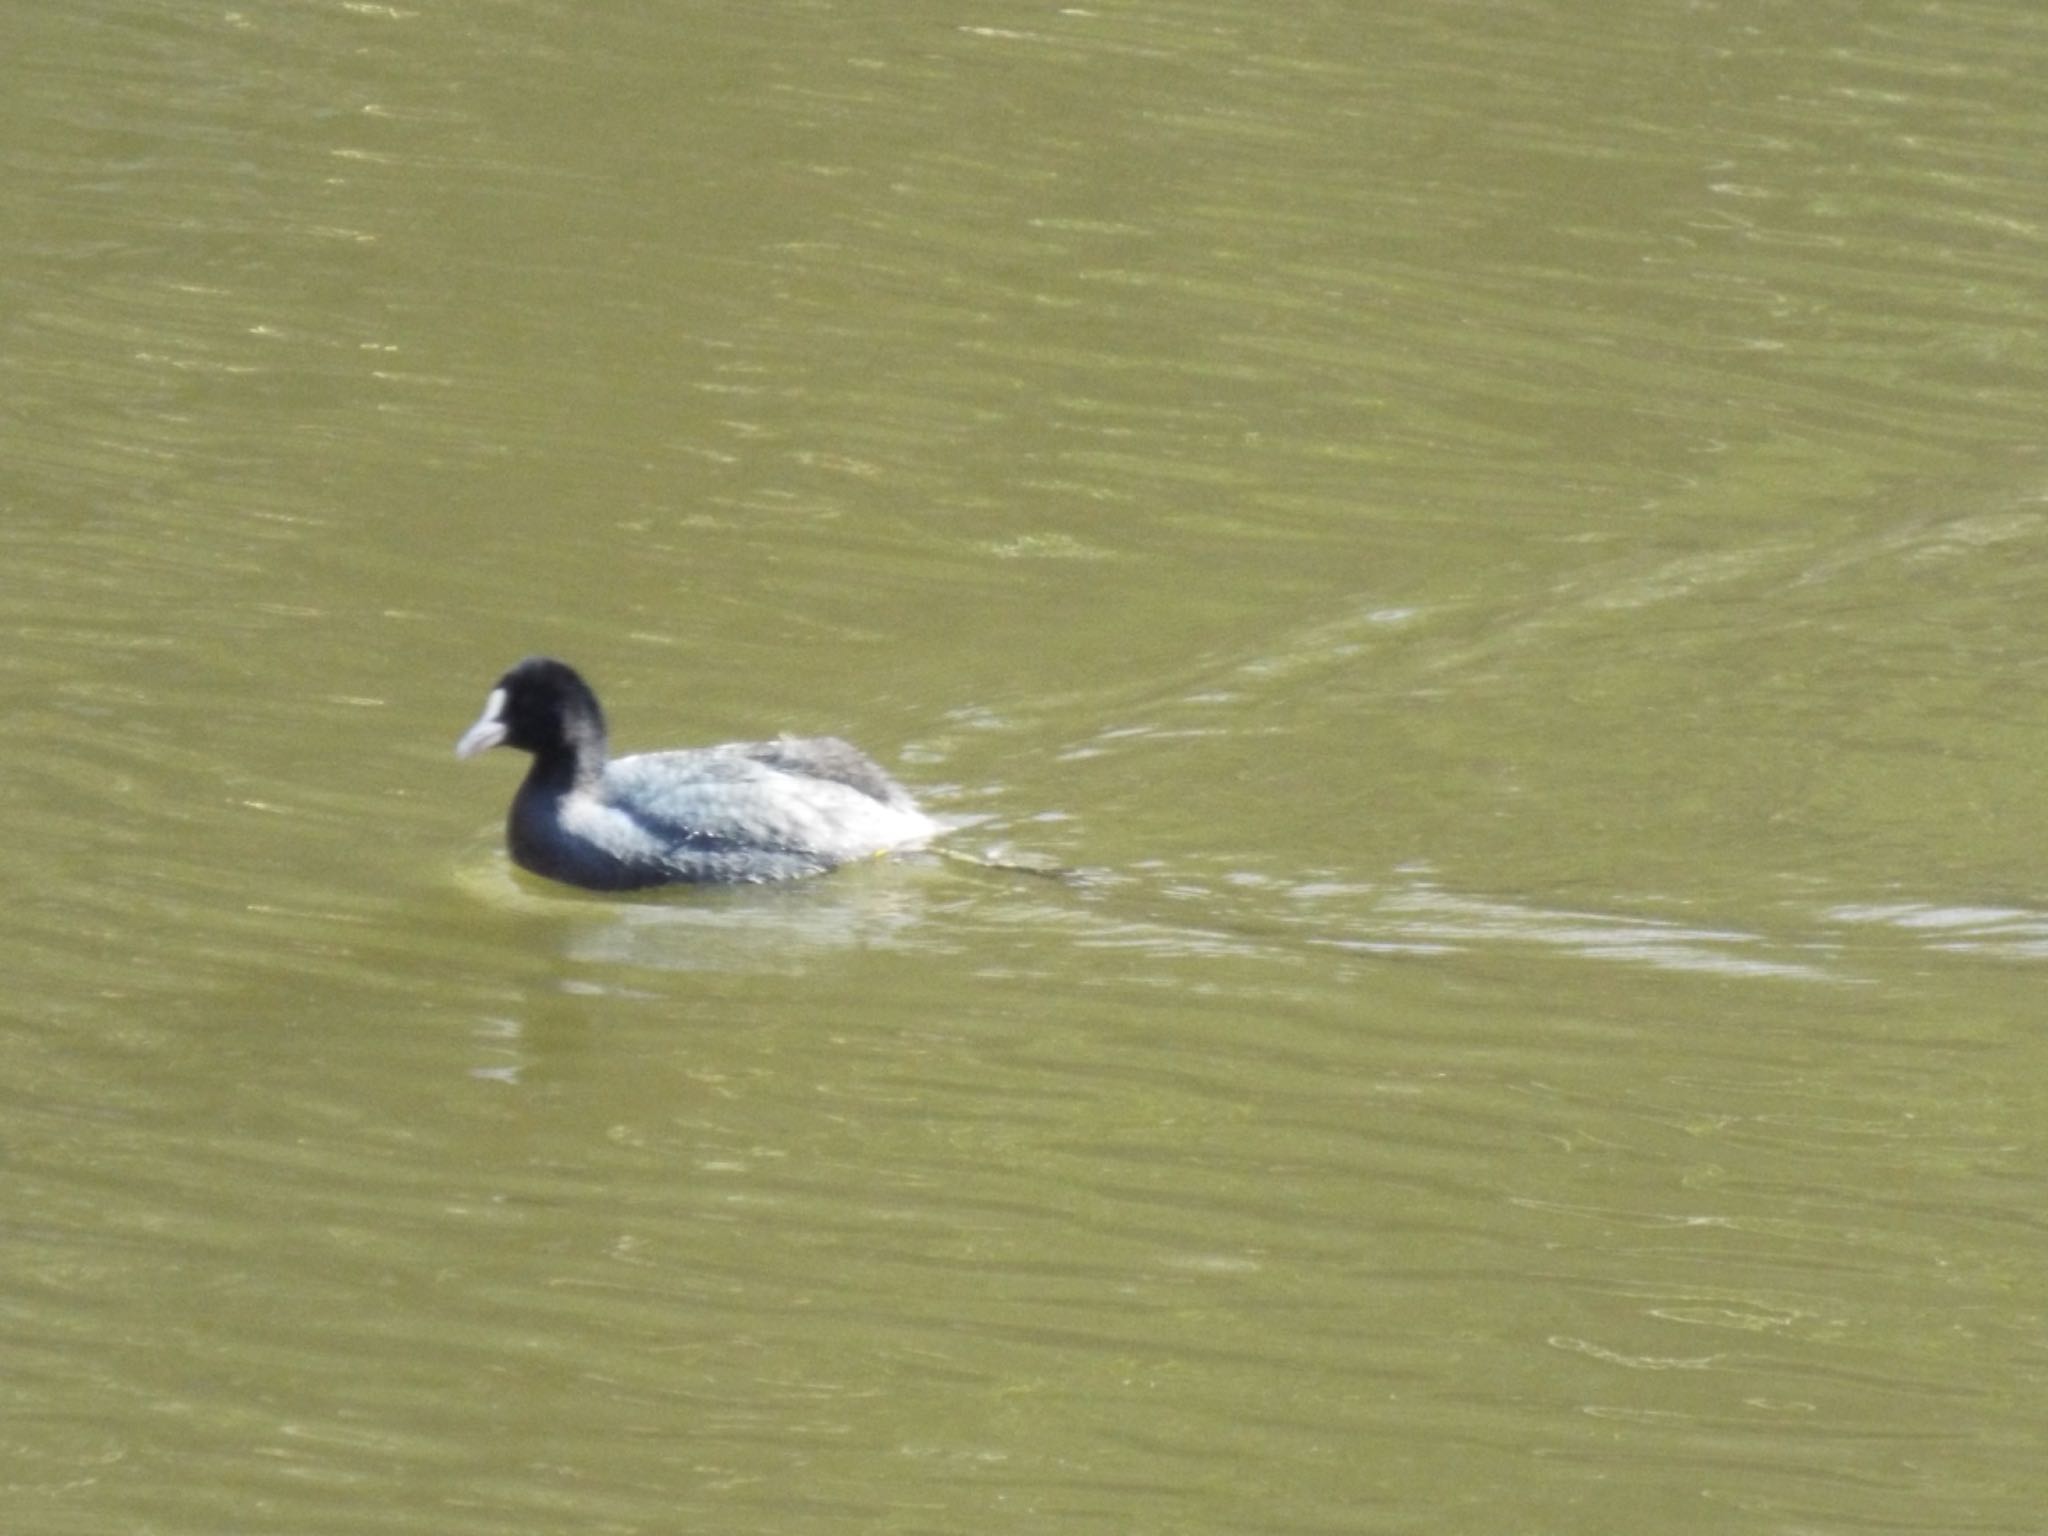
1502,545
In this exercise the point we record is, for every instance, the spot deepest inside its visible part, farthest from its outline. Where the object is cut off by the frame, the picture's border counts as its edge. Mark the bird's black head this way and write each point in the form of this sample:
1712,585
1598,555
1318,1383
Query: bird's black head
541,706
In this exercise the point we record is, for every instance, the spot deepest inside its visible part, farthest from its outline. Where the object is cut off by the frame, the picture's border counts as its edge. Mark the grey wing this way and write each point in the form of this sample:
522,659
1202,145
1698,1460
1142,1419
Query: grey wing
827,757
708,798
726,809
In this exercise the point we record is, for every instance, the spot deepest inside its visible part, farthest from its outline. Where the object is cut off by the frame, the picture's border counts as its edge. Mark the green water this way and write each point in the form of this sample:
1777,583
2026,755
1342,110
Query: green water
1503,547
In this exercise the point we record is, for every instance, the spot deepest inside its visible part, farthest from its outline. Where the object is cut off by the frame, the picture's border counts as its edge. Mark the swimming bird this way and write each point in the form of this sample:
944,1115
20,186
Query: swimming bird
745,811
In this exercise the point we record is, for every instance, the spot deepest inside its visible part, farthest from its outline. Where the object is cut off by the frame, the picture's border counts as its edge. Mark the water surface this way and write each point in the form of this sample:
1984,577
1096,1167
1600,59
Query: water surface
1499,547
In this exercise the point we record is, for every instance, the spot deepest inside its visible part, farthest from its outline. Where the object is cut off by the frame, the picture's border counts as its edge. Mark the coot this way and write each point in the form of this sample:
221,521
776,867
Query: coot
753,810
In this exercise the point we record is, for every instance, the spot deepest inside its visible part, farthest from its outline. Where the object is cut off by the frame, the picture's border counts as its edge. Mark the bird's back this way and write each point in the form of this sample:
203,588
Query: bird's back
746,811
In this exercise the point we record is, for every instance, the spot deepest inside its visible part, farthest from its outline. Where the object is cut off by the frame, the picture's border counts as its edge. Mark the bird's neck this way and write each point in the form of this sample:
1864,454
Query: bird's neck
576,762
